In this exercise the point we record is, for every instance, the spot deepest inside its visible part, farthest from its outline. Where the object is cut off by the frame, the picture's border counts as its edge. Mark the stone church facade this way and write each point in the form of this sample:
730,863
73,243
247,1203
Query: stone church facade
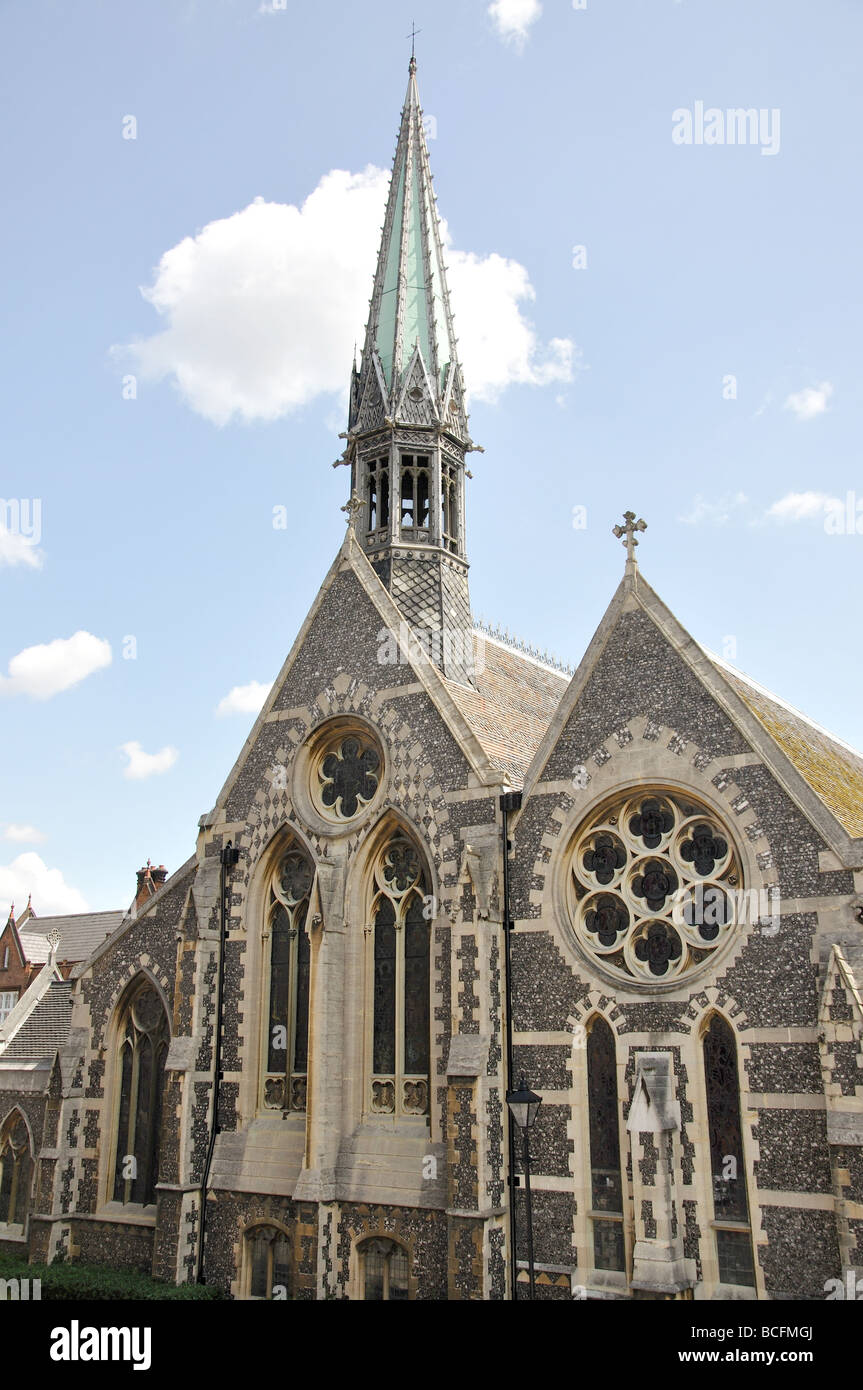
285,1072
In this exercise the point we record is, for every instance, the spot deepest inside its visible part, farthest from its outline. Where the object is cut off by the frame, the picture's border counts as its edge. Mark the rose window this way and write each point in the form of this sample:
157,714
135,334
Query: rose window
348,775
654,886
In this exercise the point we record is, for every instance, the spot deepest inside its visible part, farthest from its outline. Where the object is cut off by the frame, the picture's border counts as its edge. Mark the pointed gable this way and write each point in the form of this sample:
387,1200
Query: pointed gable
641,661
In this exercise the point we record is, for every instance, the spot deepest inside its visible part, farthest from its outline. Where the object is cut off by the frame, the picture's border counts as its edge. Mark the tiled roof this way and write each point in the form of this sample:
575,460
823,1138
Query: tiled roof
47,1028
514,702
34,946
832,769
80,932
517,697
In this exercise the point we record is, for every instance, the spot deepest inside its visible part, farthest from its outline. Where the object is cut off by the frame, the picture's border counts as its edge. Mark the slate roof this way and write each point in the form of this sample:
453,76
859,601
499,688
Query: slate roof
833,769
47,1028
80,932
35,947
514,702
517,696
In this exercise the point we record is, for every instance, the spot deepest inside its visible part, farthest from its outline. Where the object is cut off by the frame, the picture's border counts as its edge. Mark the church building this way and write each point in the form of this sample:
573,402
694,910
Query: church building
285,1069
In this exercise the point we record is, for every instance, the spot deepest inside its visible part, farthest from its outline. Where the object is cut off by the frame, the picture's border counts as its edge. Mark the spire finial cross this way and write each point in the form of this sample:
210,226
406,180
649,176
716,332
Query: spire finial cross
412,36
627,532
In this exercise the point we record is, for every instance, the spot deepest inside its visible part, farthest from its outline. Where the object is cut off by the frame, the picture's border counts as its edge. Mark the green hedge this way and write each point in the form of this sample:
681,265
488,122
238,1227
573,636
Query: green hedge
99,1282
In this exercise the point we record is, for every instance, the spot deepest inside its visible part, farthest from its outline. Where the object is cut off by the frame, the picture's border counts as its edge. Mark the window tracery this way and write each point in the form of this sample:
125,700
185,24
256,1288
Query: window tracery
654,885
606,1190
399,964
144,1035
730,1203
383,1271
289,982
268,1263
348,775
16,1168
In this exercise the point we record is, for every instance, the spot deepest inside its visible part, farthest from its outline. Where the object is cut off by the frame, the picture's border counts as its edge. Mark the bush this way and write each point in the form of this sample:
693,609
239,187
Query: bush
100,1283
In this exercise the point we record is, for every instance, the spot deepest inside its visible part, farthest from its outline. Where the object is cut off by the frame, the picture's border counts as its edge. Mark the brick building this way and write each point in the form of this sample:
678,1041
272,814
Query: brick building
286,1068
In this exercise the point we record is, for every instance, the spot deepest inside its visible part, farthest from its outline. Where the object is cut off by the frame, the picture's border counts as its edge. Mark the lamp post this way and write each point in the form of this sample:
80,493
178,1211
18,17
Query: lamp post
523,1106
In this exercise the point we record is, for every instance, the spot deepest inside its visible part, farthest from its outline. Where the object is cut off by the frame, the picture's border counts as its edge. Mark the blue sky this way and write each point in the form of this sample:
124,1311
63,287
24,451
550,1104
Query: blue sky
602,387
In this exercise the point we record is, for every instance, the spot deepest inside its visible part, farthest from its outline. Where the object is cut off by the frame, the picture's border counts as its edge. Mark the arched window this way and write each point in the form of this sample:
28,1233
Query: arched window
449,507
16,1167
378,517
414,494
290,965
143,1046
401,1018
383,1271
606,1189
268,1263
730,1204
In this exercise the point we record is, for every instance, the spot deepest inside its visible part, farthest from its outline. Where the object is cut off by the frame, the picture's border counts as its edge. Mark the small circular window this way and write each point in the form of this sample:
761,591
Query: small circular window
655,886
346,774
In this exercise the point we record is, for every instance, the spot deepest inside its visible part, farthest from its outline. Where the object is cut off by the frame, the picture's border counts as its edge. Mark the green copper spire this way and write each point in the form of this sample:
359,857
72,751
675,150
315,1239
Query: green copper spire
410,343
407,434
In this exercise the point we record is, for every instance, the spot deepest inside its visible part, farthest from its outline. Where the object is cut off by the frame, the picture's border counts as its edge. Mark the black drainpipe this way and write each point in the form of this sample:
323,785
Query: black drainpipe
510,801
229,860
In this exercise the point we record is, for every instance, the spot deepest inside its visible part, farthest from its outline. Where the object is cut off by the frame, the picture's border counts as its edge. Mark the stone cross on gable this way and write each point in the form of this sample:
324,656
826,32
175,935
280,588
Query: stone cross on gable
53,940
628,531
354,509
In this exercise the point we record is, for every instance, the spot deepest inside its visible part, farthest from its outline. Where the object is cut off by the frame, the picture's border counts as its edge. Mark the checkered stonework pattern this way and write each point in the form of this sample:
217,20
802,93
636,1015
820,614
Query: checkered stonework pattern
411,784
432,592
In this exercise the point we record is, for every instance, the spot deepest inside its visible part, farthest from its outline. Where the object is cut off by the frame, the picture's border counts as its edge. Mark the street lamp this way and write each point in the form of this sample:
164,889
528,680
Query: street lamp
523,1106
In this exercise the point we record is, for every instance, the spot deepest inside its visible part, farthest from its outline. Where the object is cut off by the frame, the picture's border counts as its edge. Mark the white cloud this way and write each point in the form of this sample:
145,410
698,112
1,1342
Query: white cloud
141,764
28,875
23,834
261,309
46,669
718,512
513,18
245,699
499,347
809,402
803,506
16,549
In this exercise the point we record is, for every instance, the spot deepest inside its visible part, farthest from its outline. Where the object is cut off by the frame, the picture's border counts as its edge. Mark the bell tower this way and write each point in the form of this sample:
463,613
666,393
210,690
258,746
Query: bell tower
408,428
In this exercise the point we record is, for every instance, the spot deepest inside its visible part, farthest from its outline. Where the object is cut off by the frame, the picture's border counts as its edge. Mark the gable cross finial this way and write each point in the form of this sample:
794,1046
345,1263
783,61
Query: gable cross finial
628,532
353,508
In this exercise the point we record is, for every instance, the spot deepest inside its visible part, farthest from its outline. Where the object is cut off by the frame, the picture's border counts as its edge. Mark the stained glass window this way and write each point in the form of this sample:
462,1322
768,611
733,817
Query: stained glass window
144,1034
730,1204
606,1192
268,1254
383,1271
400,951
655,887
349,776
290,980
16,1166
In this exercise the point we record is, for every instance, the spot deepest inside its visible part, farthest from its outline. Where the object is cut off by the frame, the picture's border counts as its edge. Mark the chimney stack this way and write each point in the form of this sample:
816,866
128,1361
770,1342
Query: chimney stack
150,880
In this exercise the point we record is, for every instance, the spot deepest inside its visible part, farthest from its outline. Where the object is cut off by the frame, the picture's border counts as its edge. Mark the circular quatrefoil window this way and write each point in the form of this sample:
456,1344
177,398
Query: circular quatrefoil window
347,774
654,886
